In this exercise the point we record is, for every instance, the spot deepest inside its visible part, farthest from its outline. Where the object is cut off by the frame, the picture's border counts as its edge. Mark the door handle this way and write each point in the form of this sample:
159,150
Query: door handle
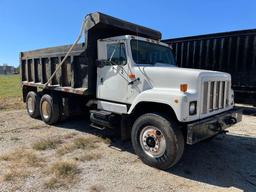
101,80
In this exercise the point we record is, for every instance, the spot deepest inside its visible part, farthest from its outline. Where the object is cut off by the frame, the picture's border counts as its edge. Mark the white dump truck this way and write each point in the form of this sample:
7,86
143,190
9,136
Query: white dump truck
126,79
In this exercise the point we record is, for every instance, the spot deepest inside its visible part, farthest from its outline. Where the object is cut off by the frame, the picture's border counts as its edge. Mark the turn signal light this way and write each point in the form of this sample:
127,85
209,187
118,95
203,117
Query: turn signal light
183,87
131,76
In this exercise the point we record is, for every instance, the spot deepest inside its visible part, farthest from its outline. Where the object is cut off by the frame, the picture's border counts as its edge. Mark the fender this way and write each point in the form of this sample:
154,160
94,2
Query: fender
172,97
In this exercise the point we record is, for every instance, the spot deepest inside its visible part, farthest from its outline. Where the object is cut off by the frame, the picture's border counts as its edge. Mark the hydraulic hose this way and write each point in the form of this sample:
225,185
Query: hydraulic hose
67,54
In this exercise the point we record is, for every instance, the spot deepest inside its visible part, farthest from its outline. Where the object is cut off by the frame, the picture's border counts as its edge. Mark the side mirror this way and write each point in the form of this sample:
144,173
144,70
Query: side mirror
102,63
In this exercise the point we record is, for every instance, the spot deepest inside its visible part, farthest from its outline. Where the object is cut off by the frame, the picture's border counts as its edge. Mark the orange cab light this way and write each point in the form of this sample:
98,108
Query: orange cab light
183,87
131,76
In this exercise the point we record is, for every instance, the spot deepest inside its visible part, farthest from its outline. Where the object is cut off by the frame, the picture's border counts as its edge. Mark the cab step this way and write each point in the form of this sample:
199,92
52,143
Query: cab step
97,126
103,119
101,114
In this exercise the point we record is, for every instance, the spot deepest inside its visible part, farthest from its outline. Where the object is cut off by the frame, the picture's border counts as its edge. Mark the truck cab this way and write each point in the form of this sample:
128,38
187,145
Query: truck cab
134,69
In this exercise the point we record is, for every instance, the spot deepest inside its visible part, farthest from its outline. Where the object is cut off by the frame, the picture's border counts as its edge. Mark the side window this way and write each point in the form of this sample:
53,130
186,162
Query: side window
116,53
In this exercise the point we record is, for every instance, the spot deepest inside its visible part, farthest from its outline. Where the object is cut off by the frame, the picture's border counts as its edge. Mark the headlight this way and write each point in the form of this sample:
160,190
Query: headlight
192,108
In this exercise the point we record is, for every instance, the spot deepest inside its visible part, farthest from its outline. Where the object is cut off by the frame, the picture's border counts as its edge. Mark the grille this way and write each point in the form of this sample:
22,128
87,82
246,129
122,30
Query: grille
215,95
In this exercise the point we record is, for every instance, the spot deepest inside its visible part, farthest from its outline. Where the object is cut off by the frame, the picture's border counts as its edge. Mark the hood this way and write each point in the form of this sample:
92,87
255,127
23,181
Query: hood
172,77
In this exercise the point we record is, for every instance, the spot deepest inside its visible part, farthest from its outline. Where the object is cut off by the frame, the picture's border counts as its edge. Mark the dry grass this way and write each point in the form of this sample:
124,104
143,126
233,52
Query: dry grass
70,135
14,173
87,143
15,139
64,169
53,183
89,157
66,148
96,188
23,157
19,163
46,144
11,103
63,174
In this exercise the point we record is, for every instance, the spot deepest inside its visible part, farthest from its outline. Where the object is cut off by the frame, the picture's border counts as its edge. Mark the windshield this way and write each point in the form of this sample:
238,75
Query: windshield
150,53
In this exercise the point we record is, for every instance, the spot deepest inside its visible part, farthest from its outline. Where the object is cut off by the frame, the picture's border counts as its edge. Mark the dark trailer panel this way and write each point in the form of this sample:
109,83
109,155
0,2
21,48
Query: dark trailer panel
78,73
232,52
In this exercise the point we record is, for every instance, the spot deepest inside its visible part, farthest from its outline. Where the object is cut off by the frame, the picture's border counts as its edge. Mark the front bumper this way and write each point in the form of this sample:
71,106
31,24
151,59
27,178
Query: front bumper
211,126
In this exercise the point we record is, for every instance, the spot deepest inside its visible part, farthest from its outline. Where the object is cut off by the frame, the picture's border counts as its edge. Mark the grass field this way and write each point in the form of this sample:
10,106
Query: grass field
10,92
10,86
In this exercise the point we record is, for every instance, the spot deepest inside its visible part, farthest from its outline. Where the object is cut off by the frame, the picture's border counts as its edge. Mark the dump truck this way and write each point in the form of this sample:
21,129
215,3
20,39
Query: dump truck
233,52
127,80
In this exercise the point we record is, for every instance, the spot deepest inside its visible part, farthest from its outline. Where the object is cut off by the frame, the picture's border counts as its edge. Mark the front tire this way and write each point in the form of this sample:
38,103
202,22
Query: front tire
157,141
50,109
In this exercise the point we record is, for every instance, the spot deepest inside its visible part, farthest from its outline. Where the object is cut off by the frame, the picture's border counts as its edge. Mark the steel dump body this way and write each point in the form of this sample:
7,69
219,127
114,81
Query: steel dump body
232,52
37,67
78,73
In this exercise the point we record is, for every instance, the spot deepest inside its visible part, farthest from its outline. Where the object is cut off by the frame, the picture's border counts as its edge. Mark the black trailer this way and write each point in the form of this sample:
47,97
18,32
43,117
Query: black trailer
233,52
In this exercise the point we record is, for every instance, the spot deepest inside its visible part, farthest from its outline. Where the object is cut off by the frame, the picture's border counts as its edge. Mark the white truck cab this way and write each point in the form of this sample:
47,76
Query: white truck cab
139,69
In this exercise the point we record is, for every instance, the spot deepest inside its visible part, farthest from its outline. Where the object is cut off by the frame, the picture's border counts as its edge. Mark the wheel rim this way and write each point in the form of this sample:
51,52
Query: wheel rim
45,109
31,107
152,141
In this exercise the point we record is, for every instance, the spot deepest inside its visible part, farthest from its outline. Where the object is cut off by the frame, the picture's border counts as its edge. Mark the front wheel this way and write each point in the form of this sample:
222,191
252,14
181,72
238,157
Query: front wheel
157,141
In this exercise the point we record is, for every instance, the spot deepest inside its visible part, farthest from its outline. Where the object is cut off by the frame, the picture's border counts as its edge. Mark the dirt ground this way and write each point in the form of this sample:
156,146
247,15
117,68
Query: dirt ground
11,103
226,163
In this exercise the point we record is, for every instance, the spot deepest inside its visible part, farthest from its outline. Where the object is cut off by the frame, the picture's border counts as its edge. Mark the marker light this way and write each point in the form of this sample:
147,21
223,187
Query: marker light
183,87
131,76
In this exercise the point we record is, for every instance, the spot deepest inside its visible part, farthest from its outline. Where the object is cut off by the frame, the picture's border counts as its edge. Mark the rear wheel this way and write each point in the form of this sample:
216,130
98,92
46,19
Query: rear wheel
32,104
50,109
157,141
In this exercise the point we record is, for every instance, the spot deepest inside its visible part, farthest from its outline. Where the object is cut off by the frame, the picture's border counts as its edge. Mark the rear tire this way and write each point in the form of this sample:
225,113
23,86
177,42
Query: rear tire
32,104
50,109
157,141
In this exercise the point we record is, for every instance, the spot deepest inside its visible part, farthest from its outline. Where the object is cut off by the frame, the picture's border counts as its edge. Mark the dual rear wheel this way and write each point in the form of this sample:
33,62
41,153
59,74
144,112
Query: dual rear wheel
32,104
47,107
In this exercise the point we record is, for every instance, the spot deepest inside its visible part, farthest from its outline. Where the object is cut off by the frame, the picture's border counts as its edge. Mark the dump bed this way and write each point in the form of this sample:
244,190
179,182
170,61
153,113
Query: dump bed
78,73
38,66
233,52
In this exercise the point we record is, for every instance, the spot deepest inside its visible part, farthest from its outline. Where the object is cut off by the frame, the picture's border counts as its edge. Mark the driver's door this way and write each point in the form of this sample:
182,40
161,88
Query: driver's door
112,83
